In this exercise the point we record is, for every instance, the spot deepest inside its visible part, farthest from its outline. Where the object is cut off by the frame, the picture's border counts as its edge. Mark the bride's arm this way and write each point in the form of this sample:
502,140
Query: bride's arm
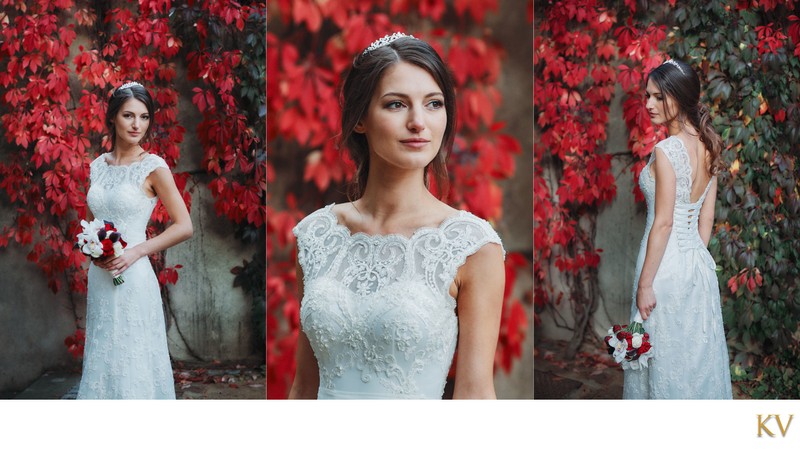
659,232
163,184
306,377
480,283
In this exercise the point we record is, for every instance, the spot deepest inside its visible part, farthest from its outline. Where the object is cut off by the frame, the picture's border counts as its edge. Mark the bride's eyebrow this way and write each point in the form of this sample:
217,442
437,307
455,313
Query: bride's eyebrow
406,96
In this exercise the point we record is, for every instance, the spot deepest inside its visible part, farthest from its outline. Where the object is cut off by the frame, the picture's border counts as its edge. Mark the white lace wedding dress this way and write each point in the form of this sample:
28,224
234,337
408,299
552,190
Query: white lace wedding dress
126,355
690,353
377,309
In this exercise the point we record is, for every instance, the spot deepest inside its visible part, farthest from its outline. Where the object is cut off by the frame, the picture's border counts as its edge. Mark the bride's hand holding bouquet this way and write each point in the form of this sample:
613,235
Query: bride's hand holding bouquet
101,241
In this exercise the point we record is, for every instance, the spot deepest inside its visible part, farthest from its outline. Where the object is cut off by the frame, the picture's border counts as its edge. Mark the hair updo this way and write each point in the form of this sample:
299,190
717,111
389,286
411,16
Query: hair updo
357,90
118,99
679,81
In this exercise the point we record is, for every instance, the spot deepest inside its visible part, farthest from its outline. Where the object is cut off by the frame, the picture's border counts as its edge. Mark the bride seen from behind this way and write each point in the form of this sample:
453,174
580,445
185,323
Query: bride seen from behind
393,281
676,290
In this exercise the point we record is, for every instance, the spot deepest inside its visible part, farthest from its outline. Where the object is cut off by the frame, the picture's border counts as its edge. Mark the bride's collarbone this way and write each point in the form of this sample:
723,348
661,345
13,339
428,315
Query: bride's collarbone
406,225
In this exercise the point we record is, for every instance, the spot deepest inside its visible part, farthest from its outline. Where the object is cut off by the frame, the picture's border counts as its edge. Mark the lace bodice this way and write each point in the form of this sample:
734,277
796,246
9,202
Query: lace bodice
116,195
686,213
377,309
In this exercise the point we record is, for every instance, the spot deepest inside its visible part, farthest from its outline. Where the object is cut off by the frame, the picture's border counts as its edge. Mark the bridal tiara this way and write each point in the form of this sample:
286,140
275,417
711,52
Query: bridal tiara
378,43
675,63
129,85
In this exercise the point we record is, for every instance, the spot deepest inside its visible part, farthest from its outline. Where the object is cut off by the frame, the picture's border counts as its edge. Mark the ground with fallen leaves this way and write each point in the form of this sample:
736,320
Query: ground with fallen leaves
592,374
218,380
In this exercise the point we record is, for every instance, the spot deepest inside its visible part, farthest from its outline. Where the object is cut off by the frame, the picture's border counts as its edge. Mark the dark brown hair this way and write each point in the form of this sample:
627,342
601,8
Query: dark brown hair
118,99
358,88
679,81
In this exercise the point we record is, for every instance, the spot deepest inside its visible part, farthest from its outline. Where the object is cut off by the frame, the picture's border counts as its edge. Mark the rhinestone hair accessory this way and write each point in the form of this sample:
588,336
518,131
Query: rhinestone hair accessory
128,85
378,43
674,63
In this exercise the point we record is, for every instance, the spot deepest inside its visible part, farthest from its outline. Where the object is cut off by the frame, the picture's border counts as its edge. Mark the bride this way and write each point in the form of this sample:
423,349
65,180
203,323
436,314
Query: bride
676,290
393,282
126,355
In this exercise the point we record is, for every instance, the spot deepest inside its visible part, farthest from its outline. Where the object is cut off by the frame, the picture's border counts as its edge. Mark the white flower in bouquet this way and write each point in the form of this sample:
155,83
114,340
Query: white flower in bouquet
118,249
636,341
620,348
93,226
92,247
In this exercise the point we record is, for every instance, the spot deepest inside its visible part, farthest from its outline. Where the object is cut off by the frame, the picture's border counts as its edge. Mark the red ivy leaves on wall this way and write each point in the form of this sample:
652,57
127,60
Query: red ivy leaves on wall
306,63
574,81
41,177
639,45
571,98
230,145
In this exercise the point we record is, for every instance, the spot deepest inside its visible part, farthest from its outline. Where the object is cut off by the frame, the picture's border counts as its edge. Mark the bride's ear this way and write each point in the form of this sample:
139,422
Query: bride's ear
359,128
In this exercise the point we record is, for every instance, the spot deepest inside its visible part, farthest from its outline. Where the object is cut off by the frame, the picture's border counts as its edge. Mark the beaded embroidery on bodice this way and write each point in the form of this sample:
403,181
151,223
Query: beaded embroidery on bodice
377,309
116,195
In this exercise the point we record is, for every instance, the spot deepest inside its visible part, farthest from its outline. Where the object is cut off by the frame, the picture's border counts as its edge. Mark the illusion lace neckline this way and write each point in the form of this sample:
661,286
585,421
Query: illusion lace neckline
140,160
395,235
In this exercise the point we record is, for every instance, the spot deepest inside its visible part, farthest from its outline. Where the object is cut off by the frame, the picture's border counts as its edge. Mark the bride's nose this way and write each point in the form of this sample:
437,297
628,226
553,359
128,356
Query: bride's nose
415,121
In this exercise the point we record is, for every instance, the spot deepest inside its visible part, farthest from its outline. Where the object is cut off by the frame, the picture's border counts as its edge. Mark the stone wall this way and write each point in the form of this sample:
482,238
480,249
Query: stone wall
33,320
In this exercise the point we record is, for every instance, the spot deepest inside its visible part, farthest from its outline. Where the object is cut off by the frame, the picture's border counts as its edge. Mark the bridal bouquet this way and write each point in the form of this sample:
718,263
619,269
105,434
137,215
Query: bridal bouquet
629,344
100,239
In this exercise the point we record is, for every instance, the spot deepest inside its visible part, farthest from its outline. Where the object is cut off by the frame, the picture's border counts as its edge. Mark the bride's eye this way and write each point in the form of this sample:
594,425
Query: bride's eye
394,105
436,104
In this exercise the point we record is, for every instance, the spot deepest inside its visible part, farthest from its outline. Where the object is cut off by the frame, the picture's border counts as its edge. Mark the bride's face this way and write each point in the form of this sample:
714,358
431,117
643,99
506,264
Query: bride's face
406,118
131,122
661,111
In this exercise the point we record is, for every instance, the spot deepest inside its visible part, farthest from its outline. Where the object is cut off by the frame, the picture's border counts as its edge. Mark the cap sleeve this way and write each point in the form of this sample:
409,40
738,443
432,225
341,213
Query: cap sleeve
147,166
94,167
318,241
464,236
679,160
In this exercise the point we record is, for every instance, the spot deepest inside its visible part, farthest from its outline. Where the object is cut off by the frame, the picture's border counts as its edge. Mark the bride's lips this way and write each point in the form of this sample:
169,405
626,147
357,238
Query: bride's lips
415,142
